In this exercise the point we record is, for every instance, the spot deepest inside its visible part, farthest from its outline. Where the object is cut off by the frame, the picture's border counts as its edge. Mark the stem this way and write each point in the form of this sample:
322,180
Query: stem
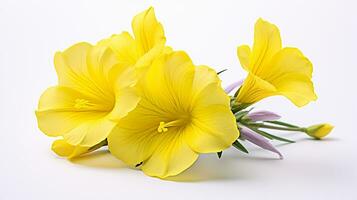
278,128
100,144
282,124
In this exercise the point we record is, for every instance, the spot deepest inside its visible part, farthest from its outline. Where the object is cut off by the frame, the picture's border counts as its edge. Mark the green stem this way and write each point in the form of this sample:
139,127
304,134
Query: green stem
100,144
282,124
278,128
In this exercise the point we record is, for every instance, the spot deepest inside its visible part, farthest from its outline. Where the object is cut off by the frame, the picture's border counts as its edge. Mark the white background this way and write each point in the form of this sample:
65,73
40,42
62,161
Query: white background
32,31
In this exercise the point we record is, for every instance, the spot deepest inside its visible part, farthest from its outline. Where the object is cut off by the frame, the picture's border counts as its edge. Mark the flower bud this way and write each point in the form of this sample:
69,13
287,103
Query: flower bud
263,116
233,86
258,140
319,131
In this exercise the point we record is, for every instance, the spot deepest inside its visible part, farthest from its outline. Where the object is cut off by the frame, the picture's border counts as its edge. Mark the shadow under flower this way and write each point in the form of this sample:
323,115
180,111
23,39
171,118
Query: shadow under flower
308,139
232,166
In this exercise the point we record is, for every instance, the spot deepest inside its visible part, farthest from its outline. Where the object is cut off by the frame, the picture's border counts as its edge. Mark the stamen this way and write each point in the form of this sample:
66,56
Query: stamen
163,127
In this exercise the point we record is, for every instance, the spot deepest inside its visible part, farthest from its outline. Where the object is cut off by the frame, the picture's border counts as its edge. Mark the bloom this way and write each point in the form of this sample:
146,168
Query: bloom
147,43
273,70
93,89
319,131
183,111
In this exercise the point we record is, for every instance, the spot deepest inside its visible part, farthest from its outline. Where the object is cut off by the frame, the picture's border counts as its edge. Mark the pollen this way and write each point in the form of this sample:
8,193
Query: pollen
81,103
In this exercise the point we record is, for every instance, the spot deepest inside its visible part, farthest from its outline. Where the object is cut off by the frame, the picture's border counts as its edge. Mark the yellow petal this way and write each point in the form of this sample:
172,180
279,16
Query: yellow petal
147,30
169,76
63,149
243,53
90,133
149,35
286,61
267,42
297,88
213,125
171,157
71,65
213,129
76,70
126,100
255,89
125,48
133,140
204,76
100,62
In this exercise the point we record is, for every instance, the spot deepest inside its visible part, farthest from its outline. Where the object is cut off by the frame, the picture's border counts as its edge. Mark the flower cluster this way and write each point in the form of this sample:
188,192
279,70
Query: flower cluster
156,110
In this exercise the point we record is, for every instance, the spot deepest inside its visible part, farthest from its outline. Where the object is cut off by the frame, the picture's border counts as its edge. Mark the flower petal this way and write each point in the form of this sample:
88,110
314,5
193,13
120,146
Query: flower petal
171,157
255,89
243,53
212,129
297,88
63,149
75,70
147,30
291,74
90,133
133,140
169,80
267,43
125,48
126,100
287,60
213,124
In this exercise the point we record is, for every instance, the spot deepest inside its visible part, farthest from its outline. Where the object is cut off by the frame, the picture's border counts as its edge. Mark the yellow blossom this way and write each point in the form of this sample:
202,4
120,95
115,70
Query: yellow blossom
93,89
183,111
319,131
273,70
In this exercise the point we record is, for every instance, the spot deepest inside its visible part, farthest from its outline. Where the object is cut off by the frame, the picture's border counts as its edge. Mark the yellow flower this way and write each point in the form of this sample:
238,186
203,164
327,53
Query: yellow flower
319,131
93,89
147,43
183,111
274,70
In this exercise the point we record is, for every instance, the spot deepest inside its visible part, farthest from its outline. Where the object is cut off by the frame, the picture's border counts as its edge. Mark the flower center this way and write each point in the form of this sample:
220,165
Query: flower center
82,103
163,126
